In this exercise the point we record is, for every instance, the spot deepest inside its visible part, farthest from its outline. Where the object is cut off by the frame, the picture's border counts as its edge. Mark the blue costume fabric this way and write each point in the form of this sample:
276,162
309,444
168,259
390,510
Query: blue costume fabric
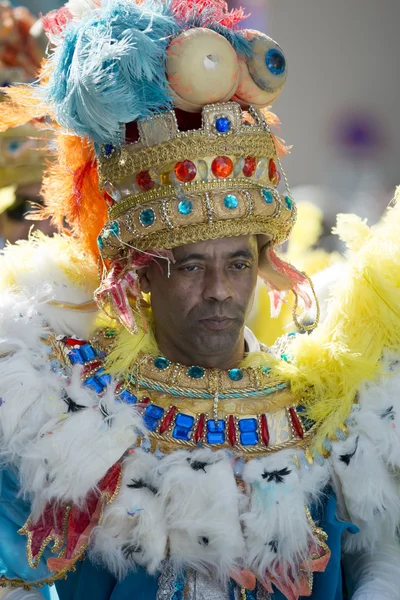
14,512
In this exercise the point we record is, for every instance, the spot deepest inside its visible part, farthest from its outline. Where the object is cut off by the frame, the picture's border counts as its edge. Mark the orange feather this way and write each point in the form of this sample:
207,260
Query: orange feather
71,192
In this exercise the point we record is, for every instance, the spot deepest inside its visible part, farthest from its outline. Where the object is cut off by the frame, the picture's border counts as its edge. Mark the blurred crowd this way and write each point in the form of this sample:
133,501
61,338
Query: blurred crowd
22,150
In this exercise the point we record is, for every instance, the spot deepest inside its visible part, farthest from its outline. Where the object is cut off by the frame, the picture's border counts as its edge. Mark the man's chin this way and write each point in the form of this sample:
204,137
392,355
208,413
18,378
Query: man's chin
217,340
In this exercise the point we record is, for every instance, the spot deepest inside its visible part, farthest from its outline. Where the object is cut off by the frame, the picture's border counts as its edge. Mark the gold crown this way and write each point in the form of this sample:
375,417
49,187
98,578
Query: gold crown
176,187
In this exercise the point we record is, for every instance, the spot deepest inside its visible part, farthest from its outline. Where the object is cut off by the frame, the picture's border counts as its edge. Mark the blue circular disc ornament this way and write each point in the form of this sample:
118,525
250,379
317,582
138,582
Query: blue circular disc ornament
268,196
196,372
147,217
275,61
231,202
185,207
161,363
235,374
222,125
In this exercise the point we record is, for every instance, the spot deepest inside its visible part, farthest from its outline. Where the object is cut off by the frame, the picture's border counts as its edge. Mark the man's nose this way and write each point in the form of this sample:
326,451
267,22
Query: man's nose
217,285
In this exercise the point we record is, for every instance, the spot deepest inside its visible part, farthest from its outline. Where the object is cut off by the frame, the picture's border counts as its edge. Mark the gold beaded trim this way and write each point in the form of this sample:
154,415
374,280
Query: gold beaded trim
209,218
56,538
169,191
130,160
167,444
277,230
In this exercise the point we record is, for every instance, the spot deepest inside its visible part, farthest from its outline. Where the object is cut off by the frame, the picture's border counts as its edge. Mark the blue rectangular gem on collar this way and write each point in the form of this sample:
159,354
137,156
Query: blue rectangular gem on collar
94,384
249,438
154,412
246,425
87,352
181,433
185,421
75,357
215,438
214,427
127,397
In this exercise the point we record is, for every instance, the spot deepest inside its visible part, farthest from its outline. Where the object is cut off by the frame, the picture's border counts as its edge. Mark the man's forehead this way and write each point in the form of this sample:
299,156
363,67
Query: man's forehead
219,246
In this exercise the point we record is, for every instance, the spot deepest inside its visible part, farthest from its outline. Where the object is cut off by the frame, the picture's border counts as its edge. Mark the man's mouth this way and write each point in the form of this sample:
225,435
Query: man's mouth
217,323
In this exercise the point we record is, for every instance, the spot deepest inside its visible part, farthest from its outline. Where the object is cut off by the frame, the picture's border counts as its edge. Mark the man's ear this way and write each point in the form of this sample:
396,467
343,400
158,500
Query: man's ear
144,280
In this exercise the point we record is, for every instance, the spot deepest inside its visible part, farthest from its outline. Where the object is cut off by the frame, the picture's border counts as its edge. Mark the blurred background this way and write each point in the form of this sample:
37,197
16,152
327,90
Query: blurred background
339,108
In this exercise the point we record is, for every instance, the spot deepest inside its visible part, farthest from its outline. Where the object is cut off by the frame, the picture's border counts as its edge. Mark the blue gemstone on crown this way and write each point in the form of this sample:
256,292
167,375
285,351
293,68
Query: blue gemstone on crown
161,363
108,149
235,374
127,397
185,207
275,61
249,439
222,125
268,196
230,201
196,372
100,242
147,217
246,425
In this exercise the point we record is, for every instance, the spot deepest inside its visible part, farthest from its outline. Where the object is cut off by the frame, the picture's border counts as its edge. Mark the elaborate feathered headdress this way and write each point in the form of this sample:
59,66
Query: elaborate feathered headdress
163,133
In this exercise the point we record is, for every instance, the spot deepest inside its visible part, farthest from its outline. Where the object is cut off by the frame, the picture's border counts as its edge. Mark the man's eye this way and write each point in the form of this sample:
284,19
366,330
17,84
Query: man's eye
191,268
240,266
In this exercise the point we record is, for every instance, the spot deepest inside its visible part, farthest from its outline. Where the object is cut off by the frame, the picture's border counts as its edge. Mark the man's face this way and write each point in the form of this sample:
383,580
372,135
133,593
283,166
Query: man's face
202,306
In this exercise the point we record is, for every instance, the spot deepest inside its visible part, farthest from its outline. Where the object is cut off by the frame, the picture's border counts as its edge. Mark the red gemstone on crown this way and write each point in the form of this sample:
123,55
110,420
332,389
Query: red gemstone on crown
231,430
264,430
145,400
169,417
222,166
185,170
250,164
271,169
109,200
198,434
277,179
297,426
144,181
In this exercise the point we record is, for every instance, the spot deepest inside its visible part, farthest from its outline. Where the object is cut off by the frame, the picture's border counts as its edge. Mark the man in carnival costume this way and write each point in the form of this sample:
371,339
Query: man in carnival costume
152,448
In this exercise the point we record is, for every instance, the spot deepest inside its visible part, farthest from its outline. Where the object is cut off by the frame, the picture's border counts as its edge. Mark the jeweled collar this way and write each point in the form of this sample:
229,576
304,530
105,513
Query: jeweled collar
249,409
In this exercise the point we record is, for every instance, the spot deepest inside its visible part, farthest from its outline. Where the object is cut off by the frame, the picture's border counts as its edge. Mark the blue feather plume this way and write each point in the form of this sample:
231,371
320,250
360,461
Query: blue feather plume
110,69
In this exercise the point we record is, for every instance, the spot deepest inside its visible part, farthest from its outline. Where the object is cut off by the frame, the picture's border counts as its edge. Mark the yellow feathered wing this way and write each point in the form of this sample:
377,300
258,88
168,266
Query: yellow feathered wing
363,319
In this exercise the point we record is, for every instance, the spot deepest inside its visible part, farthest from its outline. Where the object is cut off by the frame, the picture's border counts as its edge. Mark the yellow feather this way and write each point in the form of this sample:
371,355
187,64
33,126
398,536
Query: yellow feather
363,319
128,347
21,257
